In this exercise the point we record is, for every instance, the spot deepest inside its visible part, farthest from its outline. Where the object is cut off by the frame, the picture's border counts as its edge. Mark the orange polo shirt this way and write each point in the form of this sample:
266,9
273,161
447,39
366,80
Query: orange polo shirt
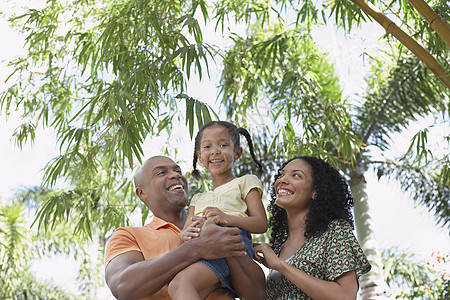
153,240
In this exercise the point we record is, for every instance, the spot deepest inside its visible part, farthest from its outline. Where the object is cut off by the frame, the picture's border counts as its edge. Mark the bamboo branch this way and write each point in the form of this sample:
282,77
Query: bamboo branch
440,26
406,40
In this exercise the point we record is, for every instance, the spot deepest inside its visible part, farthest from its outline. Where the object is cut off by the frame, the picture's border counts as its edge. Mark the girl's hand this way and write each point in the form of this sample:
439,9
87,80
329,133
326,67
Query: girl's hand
214,212
265,255
192,231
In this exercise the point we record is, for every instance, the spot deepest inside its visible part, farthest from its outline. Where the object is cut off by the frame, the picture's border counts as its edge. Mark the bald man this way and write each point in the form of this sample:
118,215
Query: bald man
141,261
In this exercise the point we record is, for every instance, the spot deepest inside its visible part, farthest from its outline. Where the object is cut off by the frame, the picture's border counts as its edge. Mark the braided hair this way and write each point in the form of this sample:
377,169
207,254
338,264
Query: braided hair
234,134
333,201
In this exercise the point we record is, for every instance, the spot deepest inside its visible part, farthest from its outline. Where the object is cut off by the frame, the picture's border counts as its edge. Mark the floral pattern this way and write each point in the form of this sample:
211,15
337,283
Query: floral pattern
325,256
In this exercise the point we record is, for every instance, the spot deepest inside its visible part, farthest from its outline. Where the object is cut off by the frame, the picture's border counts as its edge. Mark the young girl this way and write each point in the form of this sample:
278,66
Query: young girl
235,201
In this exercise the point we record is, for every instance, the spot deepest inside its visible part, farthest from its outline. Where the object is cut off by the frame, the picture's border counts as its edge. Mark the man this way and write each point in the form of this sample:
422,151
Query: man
141,261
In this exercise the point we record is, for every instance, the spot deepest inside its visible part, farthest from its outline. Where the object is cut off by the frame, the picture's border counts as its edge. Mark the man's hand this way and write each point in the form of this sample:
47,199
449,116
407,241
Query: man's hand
216,241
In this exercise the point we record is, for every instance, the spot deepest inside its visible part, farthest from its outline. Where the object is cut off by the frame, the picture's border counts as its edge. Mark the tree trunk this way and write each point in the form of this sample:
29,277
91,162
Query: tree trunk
372,284
438,25
406,40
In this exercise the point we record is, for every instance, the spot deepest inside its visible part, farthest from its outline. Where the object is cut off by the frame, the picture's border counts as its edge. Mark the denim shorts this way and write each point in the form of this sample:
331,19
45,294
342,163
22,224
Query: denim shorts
220,267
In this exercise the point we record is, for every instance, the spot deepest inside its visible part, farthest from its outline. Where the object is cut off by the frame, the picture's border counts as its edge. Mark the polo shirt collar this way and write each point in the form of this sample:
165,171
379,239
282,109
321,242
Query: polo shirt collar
158,223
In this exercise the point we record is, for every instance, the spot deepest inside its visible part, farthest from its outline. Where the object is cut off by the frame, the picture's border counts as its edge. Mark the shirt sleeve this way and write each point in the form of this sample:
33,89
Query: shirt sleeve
194,199
250,182
344,252
120,242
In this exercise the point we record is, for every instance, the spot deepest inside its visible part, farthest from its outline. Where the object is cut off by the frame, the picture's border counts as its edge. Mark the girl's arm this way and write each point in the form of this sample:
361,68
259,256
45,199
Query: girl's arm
256,222
344,287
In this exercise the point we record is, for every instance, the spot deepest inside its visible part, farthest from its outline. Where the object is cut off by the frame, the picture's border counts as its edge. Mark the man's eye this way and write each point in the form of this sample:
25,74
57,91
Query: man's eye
223,145
161,173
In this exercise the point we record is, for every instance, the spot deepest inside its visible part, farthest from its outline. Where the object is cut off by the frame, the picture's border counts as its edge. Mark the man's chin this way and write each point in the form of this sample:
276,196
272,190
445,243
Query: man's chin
179,198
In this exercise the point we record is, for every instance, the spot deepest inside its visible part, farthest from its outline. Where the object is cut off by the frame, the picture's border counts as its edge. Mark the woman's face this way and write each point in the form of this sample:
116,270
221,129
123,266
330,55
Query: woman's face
294,188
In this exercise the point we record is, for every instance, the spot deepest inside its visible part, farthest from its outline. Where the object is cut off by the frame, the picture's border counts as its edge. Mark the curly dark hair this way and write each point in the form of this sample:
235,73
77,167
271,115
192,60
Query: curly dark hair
333,201
234,134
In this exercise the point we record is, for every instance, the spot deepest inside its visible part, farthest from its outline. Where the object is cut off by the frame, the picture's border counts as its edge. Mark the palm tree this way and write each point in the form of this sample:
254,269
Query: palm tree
406,94
298,107
17,249
414,278
107,85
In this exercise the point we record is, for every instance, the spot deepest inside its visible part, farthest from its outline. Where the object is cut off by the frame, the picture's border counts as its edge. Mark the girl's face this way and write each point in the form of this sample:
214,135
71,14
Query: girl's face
217,152
294,188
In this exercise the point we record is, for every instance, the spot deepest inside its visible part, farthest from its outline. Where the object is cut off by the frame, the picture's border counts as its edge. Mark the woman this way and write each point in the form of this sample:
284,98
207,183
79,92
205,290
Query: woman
314,254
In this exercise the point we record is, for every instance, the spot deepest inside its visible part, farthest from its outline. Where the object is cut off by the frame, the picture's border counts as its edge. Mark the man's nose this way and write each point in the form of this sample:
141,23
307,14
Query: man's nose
174,174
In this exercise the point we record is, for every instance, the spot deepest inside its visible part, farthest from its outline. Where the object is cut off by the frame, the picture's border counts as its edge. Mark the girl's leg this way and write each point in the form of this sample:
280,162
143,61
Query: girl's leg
248,279
195,282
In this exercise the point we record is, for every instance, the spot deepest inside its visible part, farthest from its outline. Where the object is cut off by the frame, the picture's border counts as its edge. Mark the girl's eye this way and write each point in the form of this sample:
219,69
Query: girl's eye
205,147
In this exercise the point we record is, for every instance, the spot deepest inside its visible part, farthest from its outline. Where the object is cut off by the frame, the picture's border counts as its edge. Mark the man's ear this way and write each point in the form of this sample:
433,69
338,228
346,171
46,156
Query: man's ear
139,192
238,153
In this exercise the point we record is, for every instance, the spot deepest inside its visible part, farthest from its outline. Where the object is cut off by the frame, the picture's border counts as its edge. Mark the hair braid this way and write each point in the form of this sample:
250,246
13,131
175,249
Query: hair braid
247,136
195,172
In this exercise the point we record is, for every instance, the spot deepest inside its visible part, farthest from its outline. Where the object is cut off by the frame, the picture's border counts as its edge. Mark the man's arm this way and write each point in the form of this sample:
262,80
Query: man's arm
129,276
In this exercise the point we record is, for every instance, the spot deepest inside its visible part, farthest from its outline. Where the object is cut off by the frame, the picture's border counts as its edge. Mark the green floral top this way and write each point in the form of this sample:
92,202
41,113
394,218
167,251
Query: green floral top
326,256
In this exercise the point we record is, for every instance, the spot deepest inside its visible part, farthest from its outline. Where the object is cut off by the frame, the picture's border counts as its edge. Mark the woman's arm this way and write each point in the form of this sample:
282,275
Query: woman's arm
344,287
256,222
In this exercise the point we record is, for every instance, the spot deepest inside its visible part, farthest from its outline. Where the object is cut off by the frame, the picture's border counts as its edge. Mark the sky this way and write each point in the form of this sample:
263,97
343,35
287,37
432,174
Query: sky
396,220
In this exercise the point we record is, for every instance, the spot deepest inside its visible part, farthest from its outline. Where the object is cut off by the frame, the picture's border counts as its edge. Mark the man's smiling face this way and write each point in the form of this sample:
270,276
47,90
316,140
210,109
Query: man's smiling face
162,186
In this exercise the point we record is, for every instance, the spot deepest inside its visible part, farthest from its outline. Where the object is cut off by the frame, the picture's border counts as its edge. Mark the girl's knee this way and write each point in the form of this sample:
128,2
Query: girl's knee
176,285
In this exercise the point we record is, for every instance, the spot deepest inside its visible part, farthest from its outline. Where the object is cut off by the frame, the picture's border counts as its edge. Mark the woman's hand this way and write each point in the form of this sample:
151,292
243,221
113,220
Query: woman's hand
265,255
192,231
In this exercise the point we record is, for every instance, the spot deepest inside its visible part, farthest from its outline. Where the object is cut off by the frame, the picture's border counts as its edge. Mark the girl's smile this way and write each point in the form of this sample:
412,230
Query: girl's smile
217,151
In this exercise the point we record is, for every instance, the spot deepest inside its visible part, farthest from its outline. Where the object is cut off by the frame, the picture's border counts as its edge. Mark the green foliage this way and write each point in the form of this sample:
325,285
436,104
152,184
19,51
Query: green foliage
61,238
18,247
414,277
108,75
397,96
281,71
427,184
104,83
